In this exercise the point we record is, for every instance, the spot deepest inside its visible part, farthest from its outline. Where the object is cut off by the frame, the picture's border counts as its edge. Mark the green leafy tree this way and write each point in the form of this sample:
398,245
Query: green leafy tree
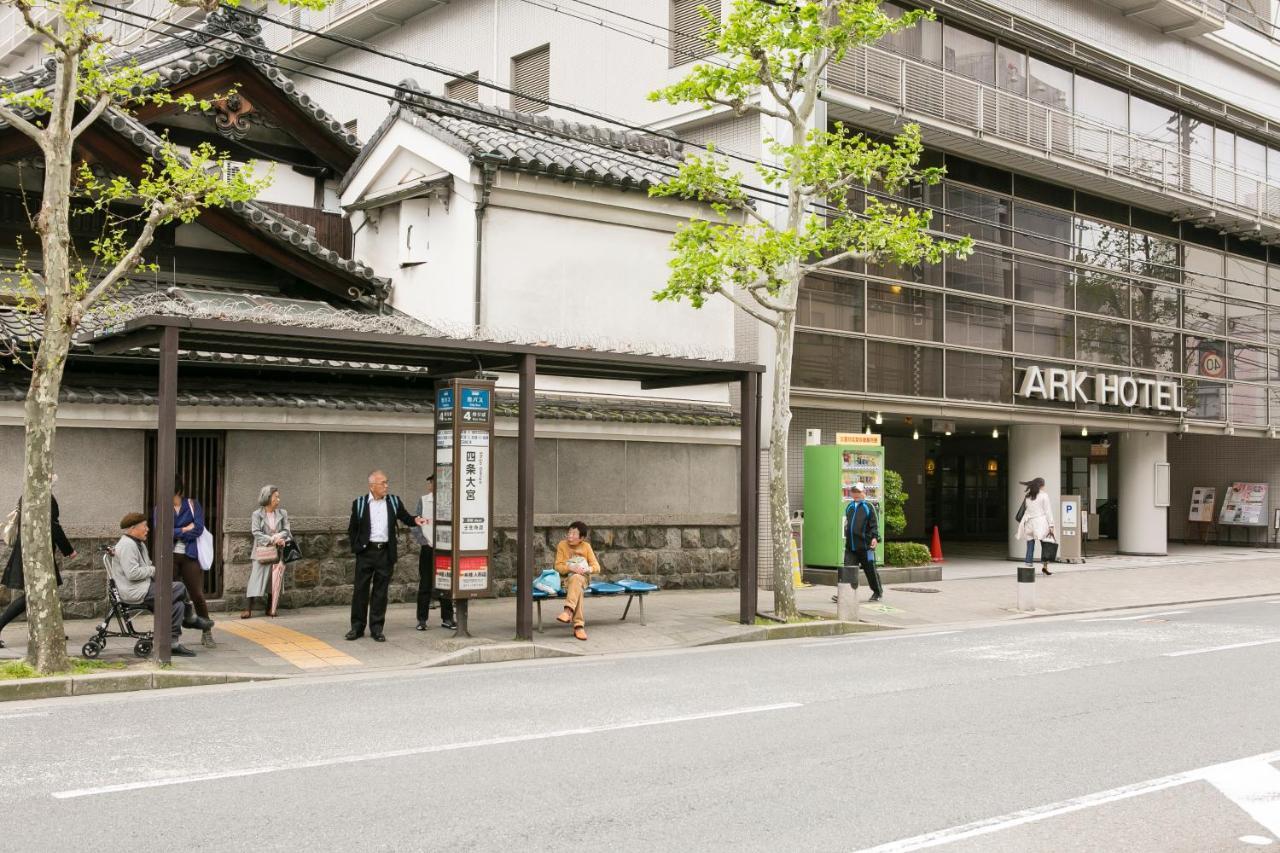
759,247
71,280
895,504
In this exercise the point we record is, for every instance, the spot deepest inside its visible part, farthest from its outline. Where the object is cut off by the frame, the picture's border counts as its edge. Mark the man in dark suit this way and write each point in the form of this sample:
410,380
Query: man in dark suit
372,531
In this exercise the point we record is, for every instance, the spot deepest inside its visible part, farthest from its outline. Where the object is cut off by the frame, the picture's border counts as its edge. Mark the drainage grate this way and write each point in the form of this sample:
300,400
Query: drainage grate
914,589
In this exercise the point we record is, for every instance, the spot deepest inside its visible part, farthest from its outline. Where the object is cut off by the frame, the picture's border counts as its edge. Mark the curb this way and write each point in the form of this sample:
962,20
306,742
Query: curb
1038,615
821,628
502,653
118,682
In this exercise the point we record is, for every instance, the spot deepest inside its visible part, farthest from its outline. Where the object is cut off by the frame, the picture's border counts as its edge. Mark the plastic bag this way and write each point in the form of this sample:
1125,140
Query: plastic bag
548,581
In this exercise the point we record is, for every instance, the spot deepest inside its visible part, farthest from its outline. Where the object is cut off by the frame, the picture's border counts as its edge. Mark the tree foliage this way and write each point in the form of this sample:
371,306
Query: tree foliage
895,504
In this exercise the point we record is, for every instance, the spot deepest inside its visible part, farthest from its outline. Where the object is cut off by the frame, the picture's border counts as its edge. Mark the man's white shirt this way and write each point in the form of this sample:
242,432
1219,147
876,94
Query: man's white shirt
377,519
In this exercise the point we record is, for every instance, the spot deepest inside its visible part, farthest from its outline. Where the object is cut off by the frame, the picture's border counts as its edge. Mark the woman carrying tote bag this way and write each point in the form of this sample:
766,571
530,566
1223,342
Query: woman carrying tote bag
270,528
1035,522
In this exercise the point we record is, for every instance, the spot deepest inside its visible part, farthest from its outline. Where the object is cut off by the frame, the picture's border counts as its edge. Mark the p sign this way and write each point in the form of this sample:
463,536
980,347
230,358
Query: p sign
1070,514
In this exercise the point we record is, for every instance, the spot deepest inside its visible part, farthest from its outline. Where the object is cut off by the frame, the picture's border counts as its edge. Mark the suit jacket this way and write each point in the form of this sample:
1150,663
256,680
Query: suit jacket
358,527
13,575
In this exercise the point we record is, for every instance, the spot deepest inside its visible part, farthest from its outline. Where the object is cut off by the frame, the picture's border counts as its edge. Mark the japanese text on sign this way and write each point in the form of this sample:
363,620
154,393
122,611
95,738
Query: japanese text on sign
473,531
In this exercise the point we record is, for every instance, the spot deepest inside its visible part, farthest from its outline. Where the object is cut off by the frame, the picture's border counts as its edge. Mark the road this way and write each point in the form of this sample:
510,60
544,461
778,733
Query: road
1153,730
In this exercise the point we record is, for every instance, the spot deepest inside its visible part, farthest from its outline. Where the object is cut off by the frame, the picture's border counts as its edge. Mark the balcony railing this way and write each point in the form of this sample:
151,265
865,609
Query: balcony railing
925,92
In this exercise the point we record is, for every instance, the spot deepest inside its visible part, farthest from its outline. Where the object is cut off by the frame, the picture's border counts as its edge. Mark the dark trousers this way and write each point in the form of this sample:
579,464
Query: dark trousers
179,593
865,558
427,584
369,598
15,609
192,576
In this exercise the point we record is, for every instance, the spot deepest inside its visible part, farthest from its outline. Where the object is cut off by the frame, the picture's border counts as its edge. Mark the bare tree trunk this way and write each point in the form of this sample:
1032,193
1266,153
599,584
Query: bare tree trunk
784,596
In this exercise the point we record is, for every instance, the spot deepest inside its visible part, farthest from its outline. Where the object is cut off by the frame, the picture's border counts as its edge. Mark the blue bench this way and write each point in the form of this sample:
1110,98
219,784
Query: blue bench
634,591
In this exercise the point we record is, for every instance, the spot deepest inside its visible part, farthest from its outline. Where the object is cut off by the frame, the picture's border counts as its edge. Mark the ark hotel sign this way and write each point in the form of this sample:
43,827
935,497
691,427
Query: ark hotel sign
1107,389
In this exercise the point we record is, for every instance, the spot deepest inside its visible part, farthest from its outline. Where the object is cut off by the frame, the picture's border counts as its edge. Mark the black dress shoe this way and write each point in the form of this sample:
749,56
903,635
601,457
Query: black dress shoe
180,651
422,626
353,634
379,638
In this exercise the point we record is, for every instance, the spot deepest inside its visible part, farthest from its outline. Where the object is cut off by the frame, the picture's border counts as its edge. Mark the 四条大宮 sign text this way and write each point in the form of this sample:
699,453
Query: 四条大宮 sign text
1106,389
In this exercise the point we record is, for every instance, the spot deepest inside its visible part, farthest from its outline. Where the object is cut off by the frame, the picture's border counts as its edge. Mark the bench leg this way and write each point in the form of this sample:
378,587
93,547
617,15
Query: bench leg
627,609
539,603
642,622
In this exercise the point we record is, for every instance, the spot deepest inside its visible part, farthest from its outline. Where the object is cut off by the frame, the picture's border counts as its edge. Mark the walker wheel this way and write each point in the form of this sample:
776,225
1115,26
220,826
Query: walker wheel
91,650
142,648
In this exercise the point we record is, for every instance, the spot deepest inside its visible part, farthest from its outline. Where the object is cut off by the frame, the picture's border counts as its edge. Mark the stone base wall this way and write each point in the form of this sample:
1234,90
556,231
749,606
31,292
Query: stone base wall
669,555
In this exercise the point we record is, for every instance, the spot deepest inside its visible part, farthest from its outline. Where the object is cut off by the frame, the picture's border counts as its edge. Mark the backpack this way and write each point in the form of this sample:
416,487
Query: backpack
9,532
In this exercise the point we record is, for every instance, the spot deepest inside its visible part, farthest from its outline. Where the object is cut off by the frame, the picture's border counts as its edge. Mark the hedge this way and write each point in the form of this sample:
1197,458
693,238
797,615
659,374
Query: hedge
906,554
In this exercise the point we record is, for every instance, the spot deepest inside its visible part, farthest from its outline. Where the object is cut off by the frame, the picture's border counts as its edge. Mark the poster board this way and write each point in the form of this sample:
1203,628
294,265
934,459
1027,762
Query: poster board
464,492
1245,505
1203,499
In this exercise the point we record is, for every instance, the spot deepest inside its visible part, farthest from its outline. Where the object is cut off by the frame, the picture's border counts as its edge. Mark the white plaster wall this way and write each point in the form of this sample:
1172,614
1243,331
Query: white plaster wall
442,288
286,186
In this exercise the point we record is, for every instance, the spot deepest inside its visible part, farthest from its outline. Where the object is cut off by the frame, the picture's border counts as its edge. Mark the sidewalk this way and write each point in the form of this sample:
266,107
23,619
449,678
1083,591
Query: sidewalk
310,642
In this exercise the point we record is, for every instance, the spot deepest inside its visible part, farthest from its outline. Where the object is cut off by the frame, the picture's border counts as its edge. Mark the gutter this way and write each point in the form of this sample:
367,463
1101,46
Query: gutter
488,171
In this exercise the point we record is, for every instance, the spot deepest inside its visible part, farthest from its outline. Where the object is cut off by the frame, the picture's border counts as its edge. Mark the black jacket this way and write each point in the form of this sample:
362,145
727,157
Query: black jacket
358,527
13,576
861,526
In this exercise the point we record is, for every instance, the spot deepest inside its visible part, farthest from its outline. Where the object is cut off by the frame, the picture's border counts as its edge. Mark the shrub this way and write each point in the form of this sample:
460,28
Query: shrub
895,516
906,554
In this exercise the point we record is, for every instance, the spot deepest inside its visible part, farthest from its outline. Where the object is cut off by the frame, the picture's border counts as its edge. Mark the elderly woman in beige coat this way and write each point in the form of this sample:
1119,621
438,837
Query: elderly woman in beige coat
1037,521
269,525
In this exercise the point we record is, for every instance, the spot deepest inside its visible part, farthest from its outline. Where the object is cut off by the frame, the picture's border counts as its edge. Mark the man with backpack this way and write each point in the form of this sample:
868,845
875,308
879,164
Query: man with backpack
861,535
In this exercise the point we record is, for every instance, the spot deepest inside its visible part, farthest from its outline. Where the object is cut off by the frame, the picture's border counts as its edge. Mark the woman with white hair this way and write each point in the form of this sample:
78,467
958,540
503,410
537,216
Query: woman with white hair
270,528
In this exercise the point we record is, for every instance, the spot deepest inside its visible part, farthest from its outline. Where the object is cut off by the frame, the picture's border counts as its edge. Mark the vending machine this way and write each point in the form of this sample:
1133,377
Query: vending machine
829,474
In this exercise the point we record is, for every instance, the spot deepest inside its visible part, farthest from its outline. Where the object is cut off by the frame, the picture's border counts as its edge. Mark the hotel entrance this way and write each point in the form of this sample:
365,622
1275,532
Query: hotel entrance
966,488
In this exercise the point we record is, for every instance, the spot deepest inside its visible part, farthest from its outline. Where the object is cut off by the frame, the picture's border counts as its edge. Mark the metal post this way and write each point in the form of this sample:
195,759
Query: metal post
166,463
460,611
525,450
847,593
748,497
1026,588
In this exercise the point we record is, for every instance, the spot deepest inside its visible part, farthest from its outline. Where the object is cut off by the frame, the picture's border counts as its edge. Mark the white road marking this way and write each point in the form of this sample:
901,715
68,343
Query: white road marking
1088,801
863,638
1136,618
421,750
1221,648
1253,786
1257,840
4,717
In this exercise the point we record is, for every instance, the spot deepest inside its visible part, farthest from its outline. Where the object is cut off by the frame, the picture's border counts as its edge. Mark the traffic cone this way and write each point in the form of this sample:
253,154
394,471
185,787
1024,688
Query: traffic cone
935,550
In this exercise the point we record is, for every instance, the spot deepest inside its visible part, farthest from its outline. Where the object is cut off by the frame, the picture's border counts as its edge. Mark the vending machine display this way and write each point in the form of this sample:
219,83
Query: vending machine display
829,474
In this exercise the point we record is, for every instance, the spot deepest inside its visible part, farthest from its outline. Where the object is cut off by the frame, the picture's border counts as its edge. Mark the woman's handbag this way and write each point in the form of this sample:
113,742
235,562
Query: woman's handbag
204,543
266,554
292,553
1022,510
1049,550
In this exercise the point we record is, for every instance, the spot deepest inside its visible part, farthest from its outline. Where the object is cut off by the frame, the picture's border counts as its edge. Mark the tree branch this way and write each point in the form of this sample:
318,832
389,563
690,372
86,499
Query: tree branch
833,260
766,77
728,294
741,108
94,112
127,263
24,7
757,293
28,129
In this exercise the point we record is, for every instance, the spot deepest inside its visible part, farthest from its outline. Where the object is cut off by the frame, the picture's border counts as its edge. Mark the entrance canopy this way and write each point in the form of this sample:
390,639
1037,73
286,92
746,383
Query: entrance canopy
172,329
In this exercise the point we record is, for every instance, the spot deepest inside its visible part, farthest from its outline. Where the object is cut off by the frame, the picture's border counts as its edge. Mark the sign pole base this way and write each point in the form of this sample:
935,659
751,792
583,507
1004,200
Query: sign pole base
460,612
1026,588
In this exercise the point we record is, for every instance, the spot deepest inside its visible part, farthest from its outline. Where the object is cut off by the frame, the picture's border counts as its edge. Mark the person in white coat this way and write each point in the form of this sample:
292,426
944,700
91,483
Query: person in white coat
1037,521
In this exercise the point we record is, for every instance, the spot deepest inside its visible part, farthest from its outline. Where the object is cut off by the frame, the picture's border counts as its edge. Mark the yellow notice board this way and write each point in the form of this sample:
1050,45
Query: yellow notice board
857,438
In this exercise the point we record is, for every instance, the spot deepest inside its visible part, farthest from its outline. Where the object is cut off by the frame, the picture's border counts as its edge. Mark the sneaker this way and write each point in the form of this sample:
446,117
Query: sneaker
180,651
876,597
422,626
449,624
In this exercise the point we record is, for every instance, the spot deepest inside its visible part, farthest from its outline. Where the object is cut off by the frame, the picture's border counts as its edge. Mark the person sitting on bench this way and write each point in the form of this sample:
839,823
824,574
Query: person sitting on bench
134,574
575,561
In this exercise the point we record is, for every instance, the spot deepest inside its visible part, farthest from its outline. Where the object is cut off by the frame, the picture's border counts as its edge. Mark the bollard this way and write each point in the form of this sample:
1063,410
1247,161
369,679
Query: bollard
1026,587
847,594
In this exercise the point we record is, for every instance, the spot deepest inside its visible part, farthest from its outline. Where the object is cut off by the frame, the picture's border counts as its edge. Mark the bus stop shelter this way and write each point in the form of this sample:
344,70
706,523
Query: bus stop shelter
168,339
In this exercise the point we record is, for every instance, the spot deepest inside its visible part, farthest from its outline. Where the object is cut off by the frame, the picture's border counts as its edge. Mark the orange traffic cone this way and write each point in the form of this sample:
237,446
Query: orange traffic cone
935,550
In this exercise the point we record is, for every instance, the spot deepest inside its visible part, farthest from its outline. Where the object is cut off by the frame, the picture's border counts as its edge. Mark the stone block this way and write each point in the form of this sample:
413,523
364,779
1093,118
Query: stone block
238,549
316,545
667,563
611,561
337,572
672,537
506,652
89,586
722,580
727,537
709,536
235,577
690,537
640,563
692,562
305,573
110,682
35,688
165,678
602,537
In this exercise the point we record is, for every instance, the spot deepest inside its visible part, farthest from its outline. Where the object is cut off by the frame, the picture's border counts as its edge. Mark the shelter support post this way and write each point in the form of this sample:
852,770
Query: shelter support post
166,463
524,499
748,497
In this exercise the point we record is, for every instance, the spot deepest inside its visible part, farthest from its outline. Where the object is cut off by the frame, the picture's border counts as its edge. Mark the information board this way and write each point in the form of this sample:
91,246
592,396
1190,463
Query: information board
1245,505
464,488
1202,500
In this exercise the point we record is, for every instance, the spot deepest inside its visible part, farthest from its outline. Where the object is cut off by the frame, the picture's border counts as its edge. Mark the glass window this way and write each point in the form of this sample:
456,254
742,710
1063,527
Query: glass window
1203,313
1043,283
830,303
1153,122
1102,340
1205,401
976,323
1251,157
1224,155
909,371
830,362
1156,350
1155,303
1250,363
896,311
1197,143
1103,103
923,41
980,215
1206,357
1204,268
1154,257
985,271
1246,278
918,274
1011,69
1102,244
1049,84
974,376
1102,293
968,54
1046,333
1248,404
1050,230
1246,321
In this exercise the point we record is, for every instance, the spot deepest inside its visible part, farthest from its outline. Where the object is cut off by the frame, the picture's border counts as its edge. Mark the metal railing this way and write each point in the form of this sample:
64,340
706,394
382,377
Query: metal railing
283,38
926,90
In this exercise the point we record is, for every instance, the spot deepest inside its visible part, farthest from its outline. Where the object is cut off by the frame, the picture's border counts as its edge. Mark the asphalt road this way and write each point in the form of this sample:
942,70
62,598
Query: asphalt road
1137,731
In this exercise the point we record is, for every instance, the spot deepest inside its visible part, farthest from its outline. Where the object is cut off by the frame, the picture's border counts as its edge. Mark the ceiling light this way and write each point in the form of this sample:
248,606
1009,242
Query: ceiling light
995,432
1084,431
868,429
879,419
948,432
915,435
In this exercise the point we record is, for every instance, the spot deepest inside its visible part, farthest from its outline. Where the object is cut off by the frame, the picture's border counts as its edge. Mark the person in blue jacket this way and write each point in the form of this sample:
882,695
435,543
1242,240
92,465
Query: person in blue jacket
188,524
861,536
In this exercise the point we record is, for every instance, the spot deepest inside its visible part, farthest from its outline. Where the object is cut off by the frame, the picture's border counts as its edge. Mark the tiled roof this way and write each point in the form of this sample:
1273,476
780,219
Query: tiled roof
225,35
529,142
339,398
